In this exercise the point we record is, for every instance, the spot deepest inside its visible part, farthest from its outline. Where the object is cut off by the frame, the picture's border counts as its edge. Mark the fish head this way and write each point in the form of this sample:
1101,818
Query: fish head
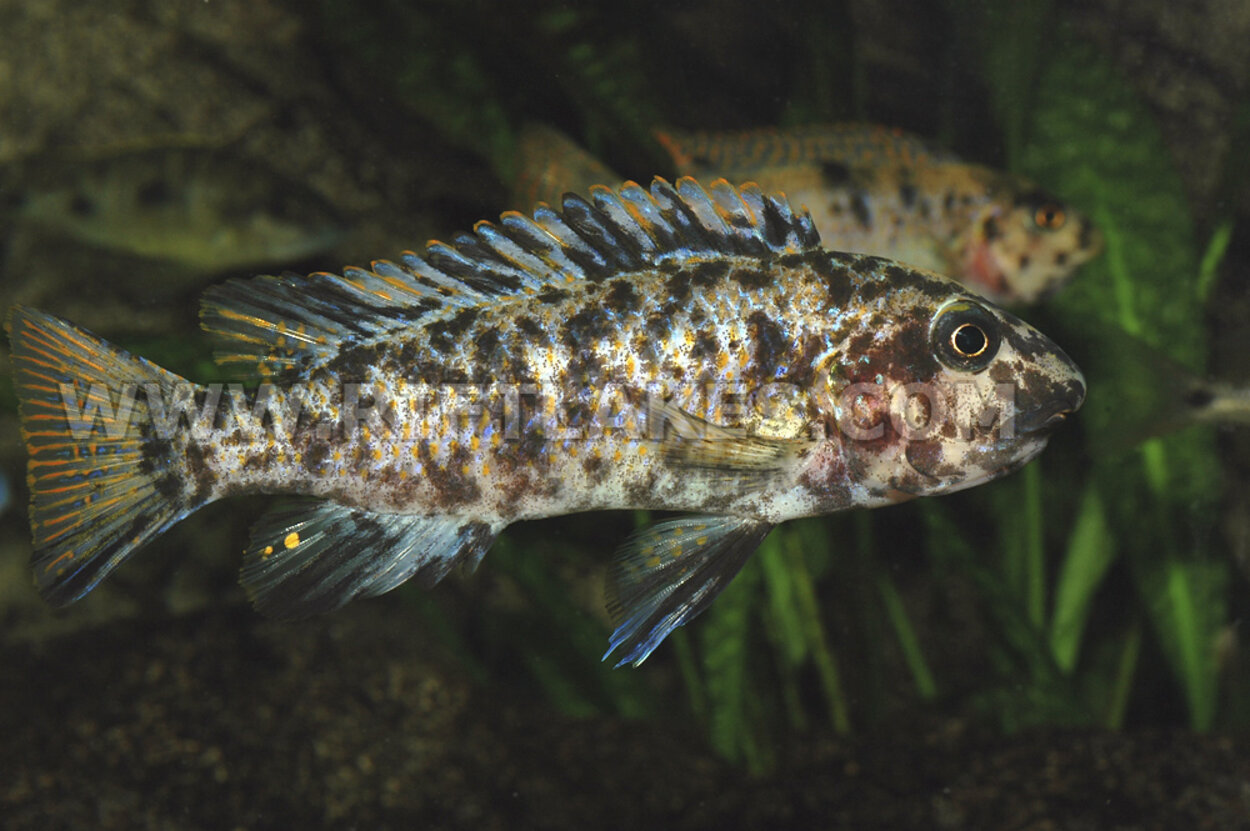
1023,244
955,392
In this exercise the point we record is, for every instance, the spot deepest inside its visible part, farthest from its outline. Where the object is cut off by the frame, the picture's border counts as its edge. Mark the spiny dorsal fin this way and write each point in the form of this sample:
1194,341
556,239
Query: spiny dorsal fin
282,324
745,153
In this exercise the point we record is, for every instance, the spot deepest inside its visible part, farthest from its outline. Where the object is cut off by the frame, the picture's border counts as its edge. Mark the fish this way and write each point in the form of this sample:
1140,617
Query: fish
549,164
679,347
883,191
206,210
1155,394
869,189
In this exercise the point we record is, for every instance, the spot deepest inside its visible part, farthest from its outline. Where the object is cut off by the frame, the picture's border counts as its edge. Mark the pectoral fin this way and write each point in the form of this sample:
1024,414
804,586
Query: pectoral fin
749,461
667,574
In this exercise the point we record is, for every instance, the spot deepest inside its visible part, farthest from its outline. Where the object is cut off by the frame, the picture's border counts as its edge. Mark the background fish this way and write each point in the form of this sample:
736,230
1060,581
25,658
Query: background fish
681,349
206,210
549,164
889,193
869,189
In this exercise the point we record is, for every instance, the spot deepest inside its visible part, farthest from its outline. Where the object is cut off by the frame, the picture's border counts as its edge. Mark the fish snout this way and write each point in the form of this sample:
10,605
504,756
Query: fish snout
1046,412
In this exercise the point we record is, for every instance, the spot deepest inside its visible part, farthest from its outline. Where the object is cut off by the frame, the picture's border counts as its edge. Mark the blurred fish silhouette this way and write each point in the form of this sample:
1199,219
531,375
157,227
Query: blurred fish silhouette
870,190
207,211
1147,393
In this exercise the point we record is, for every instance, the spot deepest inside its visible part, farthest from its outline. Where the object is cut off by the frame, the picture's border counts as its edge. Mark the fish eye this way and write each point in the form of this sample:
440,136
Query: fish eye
965,336
1050,216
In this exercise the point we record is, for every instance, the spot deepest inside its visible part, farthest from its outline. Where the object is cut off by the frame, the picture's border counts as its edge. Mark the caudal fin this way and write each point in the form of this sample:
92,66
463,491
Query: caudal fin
103,480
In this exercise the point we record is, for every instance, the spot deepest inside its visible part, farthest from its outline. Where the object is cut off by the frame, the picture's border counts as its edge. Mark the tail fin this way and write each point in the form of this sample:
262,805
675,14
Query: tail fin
102,480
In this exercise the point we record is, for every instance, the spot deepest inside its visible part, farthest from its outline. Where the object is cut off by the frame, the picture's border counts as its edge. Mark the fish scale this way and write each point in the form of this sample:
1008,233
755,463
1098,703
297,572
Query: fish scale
679,348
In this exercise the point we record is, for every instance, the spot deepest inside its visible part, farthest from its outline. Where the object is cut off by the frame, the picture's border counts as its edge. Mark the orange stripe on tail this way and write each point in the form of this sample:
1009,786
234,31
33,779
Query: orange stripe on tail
101,485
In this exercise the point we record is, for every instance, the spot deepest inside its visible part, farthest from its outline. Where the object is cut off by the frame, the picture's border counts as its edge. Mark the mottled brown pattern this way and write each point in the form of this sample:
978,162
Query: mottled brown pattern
561,375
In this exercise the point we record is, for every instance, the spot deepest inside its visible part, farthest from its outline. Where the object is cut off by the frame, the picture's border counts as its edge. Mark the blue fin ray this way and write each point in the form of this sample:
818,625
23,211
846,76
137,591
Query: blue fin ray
101,484
290,323
667,574
306,557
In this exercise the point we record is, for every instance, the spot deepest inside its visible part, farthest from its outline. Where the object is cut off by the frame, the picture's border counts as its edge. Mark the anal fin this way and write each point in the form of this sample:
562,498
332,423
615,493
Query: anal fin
666,575
307,557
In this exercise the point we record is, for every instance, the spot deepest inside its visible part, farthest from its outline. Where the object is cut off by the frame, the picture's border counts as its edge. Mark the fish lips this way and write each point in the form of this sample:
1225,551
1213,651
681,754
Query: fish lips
1045,412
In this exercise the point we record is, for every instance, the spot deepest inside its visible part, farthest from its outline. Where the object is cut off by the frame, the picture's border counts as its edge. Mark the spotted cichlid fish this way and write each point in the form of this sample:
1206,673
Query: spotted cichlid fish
888,193
869,189
679,349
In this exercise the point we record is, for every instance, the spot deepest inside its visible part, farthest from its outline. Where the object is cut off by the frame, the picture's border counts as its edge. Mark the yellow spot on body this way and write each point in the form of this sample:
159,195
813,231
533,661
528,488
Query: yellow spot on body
486,470
654,562
474,443
700,541
268,550
642,450
291,541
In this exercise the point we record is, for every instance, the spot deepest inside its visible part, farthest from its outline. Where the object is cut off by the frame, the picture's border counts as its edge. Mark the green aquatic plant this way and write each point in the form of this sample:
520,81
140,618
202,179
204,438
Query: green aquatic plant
1082,569
1091,139
1075,542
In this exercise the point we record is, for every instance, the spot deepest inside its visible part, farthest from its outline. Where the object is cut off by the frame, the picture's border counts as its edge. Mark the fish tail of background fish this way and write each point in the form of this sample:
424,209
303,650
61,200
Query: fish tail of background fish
103,480
549,164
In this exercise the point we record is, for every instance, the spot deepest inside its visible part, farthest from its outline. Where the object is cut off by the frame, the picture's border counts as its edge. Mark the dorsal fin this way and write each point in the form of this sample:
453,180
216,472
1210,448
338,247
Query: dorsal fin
287,323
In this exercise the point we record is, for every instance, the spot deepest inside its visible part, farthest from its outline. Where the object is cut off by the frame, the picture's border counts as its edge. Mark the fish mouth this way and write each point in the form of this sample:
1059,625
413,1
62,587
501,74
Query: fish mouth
981,465
1043,419
981,268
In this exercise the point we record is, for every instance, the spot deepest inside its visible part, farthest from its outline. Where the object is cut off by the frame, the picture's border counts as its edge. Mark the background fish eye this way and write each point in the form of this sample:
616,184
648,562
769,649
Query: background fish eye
1050,216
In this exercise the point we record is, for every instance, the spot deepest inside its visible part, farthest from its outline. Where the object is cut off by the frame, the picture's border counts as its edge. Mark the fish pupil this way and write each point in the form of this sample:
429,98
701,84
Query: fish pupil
81,206
1049,216
969,340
